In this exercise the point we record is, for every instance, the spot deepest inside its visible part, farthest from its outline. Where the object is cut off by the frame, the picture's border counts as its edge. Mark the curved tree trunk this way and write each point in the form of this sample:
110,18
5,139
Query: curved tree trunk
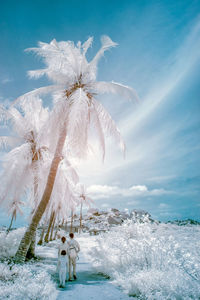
52,228
31,250
46,238
27,238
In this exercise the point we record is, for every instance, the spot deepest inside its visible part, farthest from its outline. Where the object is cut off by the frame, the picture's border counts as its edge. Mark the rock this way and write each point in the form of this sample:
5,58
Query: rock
114,220
115,211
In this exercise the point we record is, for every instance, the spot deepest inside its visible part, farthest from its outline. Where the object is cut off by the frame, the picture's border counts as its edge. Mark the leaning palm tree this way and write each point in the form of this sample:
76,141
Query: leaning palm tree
75,109
63,196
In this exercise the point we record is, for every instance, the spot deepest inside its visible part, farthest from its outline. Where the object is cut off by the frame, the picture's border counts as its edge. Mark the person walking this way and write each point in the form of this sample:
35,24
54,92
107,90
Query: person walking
62,267
63,245
73,249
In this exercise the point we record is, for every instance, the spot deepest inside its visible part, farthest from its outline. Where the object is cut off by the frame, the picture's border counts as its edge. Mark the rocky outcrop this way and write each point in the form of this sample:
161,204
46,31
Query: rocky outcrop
96,221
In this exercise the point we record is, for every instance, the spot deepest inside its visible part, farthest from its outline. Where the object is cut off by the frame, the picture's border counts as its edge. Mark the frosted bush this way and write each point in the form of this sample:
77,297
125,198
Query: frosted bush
24,283
151,261
10,242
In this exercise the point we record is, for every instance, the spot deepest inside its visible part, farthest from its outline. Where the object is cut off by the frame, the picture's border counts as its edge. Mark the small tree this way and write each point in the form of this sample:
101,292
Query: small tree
84,200
13,210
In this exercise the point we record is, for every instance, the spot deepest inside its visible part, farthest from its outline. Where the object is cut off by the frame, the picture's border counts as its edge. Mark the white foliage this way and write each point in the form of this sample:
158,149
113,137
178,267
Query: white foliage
75,86
78,123
20,163
24,283
82,194
63,196
151,261
102,87
108,125
10,242
16,175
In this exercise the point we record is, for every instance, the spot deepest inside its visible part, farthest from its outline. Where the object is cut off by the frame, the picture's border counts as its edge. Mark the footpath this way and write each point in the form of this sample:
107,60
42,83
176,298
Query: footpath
89,284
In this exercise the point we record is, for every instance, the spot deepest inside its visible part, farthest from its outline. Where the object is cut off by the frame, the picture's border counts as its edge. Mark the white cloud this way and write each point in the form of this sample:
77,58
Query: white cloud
160,179
139,188
106,191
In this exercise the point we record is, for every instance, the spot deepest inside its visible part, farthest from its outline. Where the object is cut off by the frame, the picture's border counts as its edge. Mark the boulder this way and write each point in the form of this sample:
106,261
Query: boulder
112,220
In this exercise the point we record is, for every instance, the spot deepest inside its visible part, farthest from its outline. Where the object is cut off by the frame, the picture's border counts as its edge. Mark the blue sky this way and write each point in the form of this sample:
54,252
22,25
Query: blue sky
158,54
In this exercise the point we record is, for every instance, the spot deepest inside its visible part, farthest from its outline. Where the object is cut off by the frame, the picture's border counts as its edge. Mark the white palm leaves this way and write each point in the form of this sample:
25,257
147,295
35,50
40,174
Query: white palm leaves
75,85
20,164
83,197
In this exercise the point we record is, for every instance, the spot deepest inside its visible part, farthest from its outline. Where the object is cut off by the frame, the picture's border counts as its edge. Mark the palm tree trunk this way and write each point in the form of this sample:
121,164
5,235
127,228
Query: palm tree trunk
42,234
81,216
9,228
46,238
72,219
27,238
55,234
52,228
31,250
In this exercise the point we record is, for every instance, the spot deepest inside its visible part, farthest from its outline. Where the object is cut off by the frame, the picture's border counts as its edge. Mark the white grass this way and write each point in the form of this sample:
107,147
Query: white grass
151,261
23,283
30,281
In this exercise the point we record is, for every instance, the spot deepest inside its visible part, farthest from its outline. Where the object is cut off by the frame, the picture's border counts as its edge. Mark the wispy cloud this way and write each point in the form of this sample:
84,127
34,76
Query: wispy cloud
6,80
106,191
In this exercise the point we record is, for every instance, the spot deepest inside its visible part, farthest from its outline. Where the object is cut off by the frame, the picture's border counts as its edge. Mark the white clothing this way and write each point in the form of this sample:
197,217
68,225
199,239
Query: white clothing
73,244
62,268
62,246
73,249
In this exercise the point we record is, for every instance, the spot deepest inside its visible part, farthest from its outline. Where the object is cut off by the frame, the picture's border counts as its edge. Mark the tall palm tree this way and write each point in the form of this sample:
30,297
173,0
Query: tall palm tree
75,109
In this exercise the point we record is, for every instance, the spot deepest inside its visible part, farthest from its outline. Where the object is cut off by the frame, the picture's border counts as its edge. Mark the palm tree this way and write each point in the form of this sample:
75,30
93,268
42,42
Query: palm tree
75,109
13,210
22,163
84,200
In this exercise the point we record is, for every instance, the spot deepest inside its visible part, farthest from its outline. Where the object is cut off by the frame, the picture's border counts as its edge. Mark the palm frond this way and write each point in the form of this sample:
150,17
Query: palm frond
106,44
37,92
78,123
97,126
87,45
37,73
108,124
102,87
